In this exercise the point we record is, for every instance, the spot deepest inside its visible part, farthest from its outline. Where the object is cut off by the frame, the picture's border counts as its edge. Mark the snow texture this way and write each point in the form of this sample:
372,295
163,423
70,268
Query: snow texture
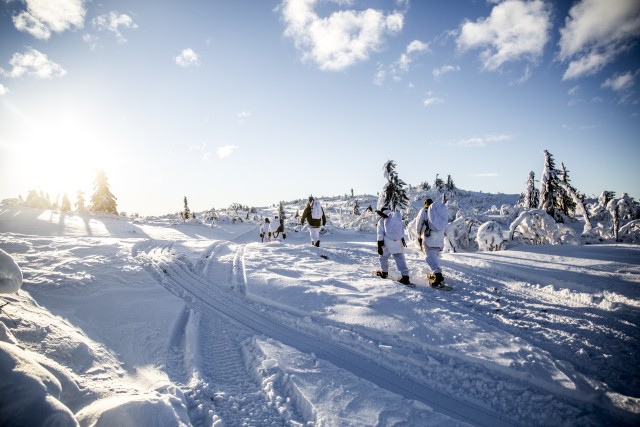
160,322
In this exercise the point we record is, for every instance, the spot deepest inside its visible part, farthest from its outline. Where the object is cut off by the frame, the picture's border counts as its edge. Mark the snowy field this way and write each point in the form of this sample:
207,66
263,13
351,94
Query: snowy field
157,323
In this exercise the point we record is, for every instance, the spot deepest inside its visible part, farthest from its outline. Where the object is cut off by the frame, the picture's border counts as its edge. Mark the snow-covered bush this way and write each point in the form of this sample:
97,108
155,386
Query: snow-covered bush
490,237
536,227
458,234
630,232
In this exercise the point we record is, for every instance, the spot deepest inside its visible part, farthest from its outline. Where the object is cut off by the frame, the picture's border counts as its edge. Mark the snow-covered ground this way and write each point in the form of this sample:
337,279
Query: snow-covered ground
157,323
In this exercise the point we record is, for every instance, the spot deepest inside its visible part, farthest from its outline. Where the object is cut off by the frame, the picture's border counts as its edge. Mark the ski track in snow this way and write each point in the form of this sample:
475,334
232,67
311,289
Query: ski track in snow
579,323
214,288
209,298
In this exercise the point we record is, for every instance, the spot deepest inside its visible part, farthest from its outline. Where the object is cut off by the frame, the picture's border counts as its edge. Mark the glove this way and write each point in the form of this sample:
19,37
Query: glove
380,245
403,242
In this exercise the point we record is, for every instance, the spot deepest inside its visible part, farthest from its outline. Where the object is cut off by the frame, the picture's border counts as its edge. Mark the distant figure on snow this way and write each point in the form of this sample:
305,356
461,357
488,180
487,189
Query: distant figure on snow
264,229
276,228
431,224
390,234
314,215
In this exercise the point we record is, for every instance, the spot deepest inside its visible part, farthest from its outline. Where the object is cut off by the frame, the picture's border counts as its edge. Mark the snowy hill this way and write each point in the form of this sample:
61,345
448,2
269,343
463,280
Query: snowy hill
156,322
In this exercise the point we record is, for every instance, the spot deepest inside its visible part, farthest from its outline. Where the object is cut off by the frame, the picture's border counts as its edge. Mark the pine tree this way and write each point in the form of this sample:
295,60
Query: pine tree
80,207
450,186
66,203
549,185
565,201
186,213
393,193
531,196
438,184
102,200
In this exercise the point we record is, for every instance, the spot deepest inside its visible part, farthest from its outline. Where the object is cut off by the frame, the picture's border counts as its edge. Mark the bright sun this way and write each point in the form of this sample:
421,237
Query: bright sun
61,153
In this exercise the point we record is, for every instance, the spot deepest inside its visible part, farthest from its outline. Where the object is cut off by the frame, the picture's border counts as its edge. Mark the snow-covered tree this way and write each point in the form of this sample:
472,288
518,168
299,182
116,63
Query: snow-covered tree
186,213
80,207
536,227
622,210
393,193
37,199
450,186
438,184
490,237
65,206
531,196
549,185
356,208
565,201
102,200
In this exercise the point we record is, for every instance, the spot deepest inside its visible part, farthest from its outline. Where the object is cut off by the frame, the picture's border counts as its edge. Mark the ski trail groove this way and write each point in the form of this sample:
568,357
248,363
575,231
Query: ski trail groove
208,293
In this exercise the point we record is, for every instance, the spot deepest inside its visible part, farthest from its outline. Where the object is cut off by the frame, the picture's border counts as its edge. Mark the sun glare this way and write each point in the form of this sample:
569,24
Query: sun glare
62,153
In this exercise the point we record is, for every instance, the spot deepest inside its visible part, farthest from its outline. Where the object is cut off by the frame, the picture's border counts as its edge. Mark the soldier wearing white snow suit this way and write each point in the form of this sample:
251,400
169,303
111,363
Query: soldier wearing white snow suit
264,229
314,214
390,235
430,226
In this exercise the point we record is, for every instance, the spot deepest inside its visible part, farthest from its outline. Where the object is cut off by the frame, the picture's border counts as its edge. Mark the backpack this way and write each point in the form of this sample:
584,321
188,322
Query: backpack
316,210
438,216
393,227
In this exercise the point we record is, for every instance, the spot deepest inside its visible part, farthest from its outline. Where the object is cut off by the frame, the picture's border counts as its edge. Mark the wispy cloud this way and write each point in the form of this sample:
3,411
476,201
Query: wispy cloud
33,63
621,81
243,116
481,141
596,33
342,39
445,69
402,64
516,30
113,22
43,17
623,85
431,99
226,151
187,58
3,90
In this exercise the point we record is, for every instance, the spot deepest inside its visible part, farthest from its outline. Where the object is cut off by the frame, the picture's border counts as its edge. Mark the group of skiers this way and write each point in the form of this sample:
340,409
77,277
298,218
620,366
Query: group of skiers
430,226
313,214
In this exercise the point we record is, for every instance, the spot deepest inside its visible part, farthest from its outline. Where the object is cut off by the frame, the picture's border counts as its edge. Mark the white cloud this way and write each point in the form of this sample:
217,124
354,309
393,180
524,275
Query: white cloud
438,72
44,16
112,22
597,32
226,151
432,100
187,58
620,82
3,90
340,40
481,141
243,116
91,40
516,30
33,63
403,63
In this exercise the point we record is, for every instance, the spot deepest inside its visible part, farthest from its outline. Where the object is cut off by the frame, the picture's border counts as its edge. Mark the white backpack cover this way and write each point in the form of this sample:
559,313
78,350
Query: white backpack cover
316,210
438,216
393,226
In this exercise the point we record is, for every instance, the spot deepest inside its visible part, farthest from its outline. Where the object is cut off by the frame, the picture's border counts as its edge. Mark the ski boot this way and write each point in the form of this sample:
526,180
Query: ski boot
381,274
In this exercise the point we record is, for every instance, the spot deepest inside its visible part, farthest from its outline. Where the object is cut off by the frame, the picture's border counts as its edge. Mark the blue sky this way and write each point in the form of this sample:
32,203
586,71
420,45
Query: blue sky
259,101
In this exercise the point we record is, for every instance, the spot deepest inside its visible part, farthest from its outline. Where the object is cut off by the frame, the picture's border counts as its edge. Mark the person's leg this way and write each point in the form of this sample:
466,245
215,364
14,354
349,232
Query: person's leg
433,256
401,262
